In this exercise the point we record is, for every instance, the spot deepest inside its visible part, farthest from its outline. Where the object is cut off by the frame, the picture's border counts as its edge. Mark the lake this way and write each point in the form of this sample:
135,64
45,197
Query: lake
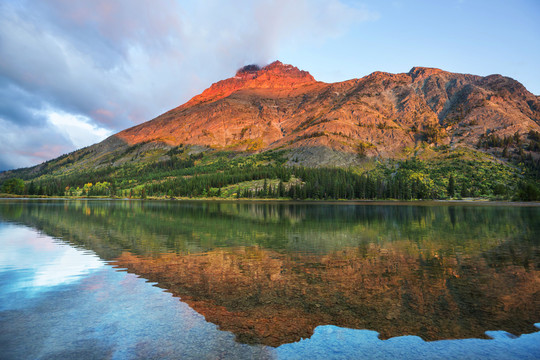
178,279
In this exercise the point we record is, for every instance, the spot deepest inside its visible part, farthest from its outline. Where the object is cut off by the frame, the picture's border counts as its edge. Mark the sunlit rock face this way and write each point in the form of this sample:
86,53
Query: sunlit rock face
279,106
276,76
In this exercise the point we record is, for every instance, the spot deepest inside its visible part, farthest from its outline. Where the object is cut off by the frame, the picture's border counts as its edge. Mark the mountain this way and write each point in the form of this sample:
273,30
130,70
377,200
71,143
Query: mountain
281,107
379,117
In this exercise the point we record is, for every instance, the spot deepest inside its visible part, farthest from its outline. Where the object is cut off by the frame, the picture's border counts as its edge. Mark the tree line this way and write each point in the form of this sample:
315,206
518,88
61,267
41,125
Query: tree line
406,180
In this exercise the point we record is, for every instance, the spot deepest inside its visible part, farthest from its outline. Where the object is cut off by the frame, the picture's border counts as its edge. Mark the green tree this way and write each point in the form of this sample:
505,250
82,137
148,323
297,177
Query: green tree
527,191
281,189
451,186
31,188
13,186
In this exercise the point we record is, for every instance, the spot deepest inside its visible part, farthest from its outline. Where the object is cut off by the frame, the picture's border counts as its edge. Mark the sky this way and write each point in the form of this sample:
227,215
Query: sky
75,72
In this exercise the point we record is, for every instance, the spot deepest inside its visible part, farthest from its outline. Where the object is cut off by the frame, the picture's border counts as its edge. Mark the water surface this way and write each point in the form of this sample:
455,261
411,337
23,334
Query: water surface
267,280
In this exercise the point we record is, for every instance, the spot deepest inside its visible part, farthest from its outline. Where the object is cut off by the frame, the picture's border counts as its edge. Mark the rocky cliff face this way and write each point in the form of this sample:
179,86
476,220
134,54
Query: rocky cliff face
279,106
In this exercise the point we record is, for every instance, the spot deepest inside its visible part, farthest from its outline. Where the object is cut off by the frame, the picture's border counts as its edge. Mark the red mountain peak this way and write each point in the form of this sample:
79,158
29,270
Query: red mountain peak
272,76
277,68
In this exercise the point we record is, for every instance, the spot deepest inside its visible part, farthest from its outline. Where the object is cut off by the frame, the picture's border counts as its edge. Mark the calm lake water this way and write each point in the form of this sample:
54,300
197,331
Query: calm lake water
131,279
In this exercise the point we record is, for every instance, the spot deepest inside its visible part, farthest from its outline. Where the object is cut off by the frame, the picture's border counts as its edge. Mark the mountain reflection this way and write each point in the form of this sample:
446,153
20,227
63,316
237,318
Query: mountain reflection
270,273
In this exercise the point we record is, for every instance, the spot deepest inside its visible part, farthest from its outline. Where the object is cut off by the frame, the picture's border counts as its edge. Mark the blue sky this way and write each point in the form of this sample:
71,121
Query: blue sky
74,72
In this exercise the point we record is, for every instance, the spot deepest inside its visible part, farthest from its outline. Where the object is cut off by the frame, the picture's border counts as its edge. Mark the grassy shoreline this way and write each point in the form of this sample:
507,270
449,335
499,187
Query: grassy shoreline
467,201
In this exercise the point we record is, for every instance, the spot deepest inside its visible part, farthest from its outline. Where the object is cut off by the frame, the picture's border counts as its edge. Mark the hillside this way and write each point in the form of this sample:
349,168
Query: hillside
281,116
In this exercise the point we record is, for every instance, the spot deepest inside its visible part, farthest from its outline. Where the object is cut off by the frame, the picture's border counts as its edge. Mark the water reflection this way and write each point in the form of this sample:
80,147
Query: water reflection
272,273
95,312
39,263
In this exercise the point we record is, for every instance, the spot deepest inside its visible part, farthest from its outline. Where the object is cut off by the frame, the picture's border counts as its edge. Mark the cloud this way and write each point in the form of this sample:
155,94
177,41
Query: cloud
23,146
18,105
117,64
78,129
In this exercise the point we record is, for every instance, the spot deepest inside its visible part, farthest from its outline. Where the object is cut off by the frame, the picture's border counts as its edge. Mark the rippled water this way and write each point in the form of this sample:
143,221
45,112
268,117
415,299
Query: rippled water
86,279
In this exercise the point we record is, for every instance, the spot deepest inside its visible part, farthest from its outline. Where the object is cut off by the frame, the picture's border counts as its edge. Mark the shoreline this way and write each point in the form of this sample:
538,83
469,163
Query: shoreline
447,202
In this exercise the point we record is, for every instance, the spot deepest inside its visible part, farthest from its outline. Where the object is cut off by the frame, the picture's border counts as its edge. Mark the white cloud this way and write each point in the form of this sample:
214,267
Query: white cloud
77,128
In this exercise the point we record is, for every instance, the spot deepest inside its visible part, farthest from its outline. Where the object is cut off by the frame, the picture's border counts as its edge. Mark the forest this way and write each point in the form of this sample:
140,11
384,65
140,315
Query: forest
448,174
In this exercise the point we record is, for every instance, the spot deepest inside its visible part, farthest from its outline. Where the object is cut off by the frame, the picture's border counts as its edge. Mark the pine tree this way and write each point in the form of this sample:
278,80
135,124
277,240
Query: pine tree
281,189
451,186
264,192
464,190
31,188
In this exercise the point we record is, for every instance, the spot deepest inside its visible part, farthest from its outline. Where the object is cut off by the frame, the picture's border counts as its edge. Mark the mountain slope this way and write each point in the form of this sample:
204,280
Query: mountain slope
279,107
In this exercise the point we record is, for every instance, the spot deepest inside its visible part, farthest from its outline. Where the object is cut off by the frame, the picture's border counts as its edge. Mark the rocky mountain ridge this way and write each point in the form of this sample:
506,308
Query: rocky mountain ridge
281,107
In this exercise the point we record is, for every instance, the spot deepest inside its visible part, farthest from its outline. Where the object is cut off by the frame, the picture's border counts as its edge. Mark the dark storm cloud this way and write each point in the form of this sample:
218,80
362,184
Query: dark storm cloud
119,63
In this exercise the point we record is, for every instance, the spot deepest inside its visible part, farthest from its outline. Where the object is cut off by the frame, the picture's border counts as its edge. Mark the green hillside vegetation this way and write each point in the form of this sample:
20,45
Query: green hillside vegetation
183,172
